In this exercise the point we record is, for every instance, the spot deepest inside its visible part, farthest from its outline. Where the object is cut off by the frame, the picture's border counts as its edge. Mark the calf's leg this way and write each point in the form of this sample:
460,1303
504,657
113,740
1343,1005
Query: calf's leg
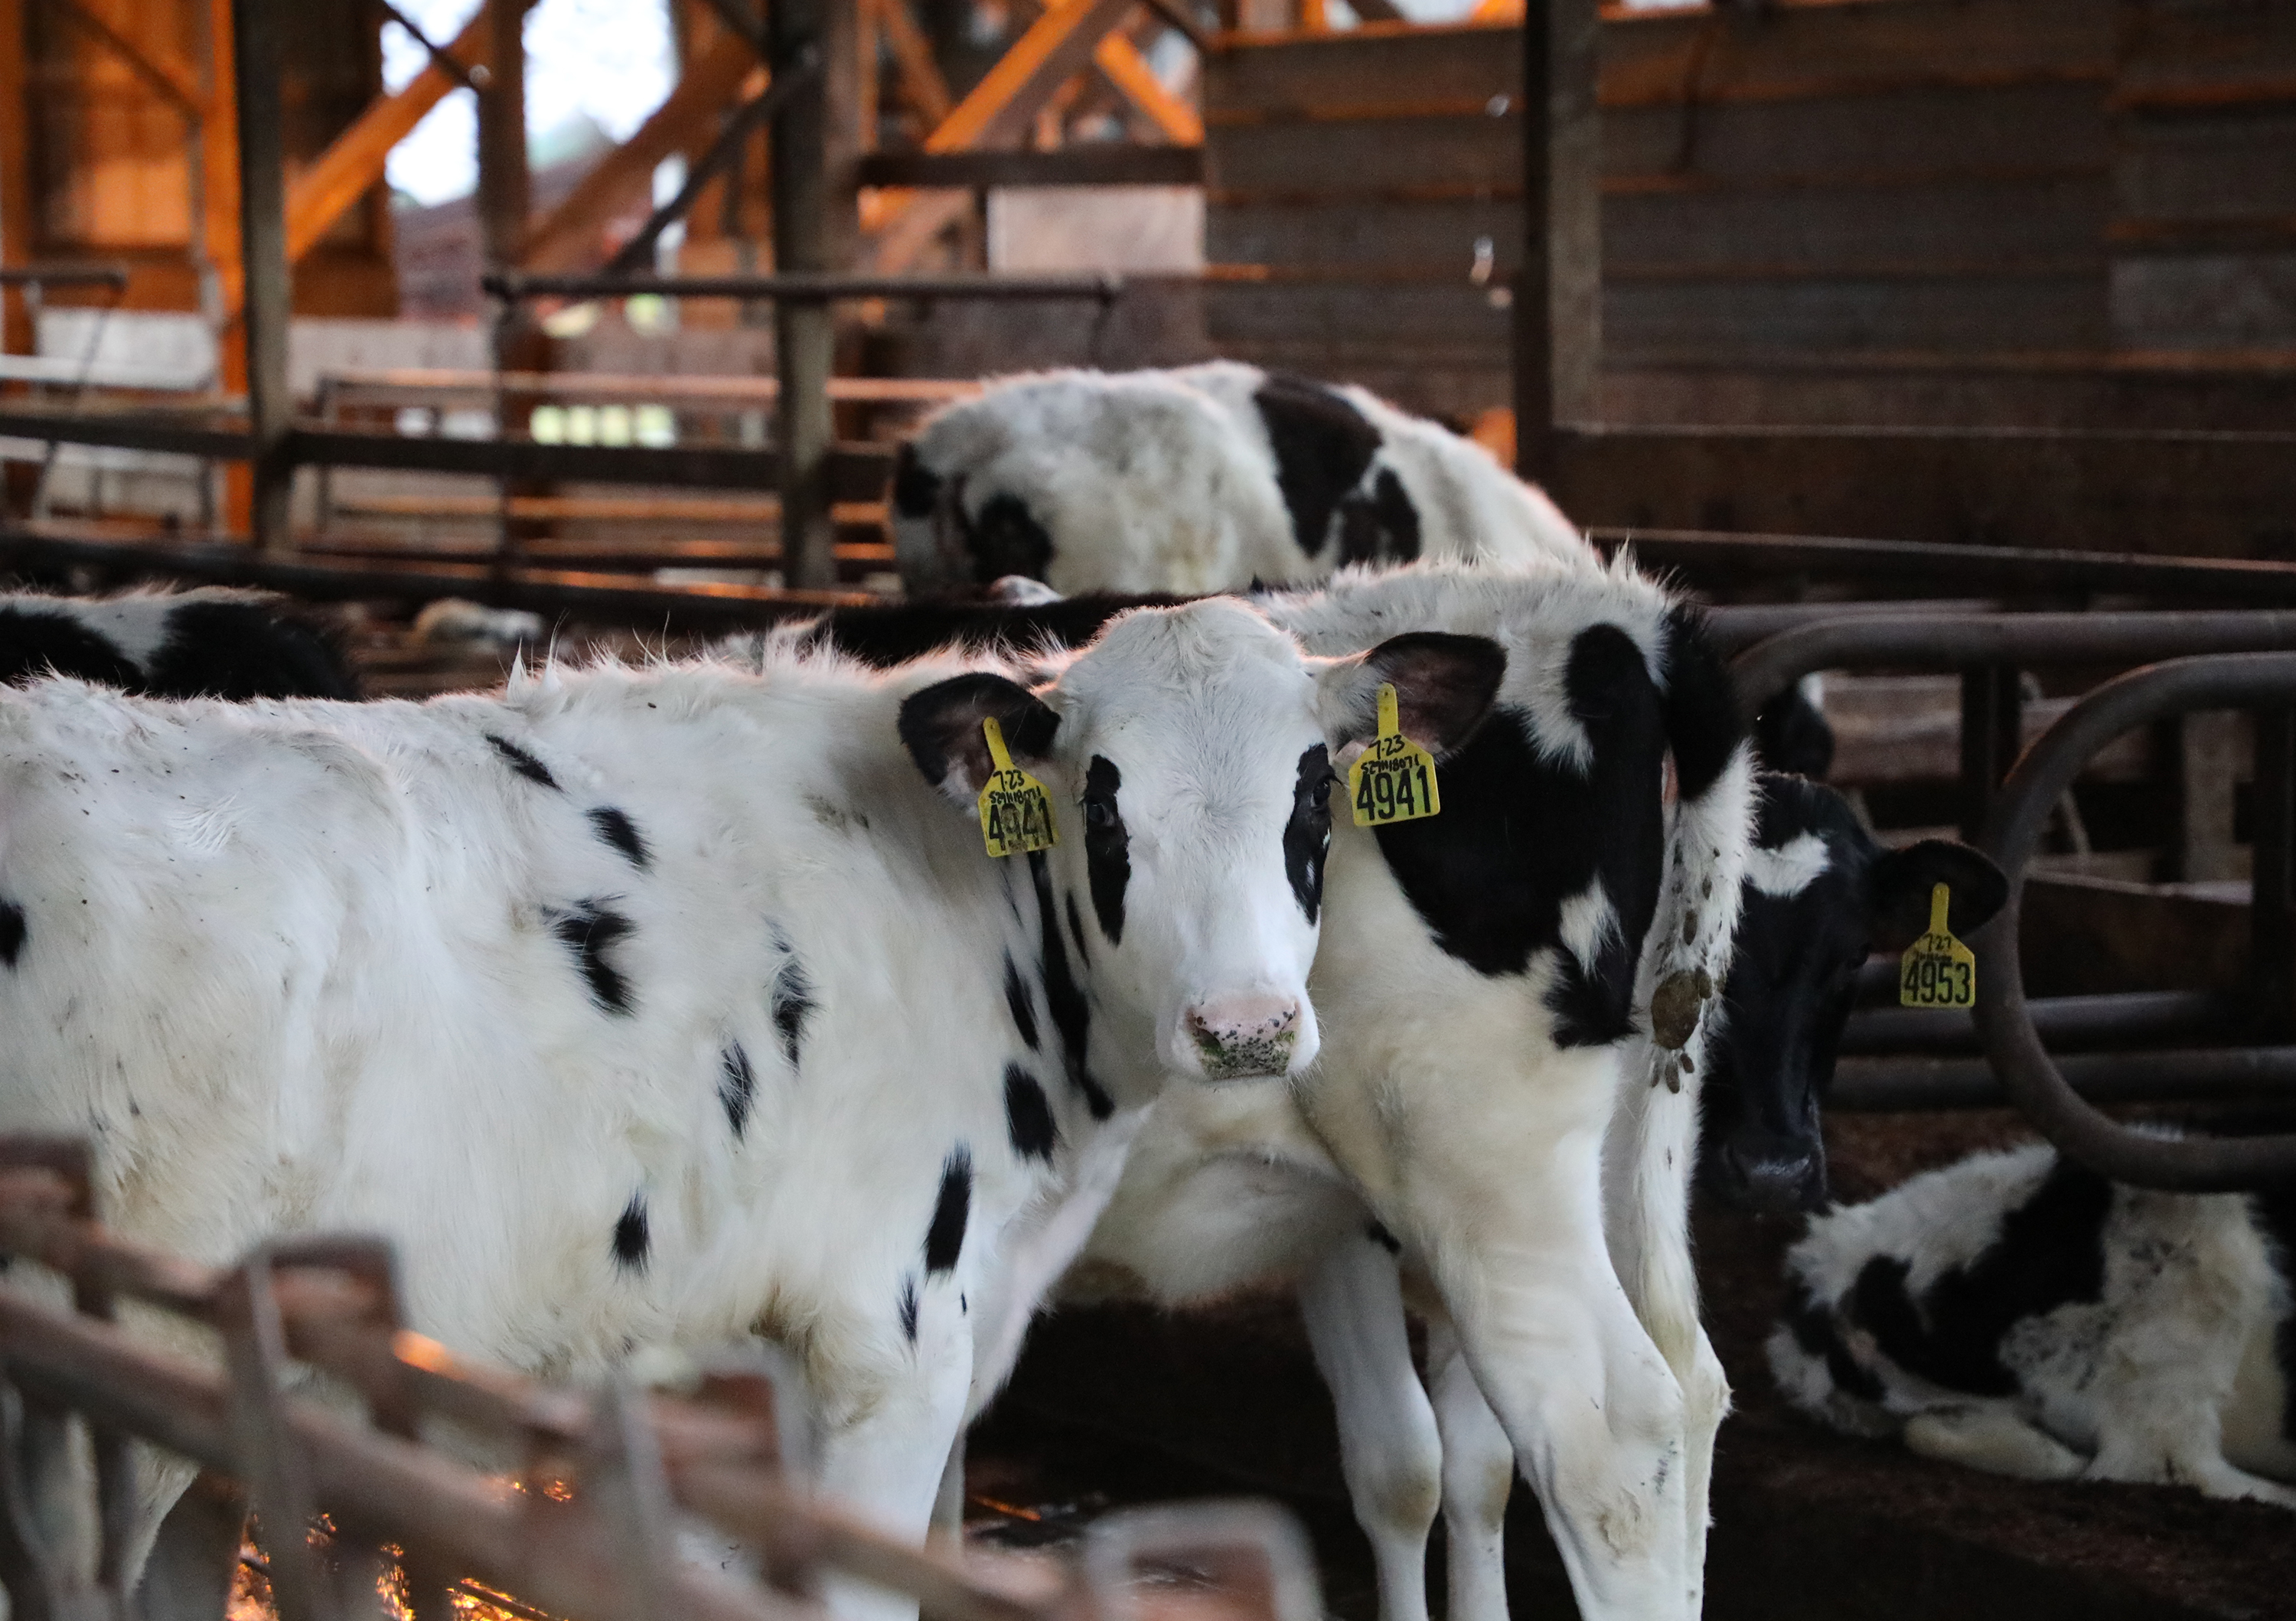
1477,1480
1352,1299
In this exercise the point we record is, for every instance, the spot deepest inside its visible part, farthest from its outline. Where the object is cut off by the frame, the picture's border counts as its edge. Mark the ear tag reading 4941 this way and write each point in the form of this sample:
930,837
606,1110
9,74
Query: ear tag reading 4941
1016,812
1394,780
1938,970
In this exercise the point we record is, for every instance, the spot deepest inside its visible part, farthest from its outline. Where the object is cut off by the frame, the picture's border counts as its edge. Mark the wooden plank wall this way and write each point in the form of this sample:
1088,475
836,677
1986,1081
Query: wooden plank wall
1923,184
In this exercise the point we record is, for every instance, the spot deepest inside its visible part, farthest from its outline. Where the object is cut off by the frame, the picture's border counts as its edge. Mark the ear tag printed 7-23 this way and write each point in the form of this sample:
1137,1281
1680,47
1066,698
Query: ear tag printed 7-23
1938,970
1394,779
1016,812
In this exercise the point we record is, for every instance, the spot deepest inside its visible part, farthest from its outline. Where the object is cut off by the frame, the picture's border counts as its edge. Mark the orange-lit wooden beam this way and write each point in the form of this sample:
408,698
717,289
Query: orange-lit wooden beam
997,112
922,83
15,178
1120,61
566,238
346,170
111,21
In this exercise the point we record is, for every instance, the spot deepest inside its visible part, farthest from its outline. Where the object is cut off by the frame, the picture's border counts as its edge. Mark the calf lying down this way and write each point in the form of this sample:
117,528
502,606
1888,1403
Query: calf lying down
672,1006
2020,1314
1205,478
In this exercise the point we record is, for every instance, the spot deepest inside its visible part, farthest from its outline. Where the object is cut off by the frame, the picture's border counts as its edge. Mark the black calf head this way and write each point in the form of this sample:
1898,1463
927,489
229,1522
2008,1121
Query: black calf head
1820,897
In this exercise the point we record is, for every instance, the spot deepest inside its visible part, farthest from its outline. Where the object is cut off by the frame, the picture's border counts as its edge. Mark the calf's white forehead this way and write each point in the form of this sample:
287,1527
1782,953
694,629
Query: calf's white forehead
1211,680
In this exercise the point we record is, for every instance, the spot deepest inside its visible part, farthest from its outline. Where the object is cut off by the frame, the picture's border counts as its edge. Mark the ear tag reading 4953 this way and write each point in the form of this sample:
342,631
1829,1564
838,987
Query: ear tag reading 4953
1016,812
1938,970
1394,780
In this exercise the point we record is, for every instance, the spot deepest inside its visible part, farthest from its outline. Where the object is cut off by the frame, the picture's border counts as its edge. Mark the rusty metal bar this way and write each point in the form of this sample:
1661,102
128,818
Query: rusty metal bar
604,1548
2033,1080
2063,1022
1957,642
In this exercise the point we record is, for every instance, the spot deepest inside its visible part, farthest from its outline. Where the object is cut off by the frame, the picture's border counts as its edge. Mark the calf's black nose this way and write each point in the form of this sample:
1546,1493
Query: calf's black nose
1770,1179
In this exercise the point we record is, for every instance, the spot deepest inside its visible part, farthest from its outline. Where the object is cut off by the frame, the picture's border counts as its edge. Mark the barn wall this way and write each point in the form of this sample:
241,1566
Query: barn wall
1887,210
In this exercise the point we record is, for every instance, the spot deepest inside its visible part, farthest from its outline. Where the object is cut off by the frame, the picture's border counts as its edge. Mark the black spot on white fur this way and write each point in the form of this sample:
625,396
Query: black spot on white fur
1003,537
906,1310
1520,834
2274,1210
619,831
11,932
521,762
1323,447
2050,1253
1028,1116
789,998
737,1087
1076,931
945,1236
591,929
631,1238
208,642
1377,1232
1063,996
38,641
1018,1001
1812,1326
1308,835
1107,846
916,487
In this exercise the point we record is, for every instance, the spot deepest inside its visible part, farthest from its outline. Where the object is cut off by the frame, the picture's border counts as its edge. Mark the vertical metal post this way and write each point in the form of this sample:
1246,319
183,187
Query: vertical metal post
1992,731
808,236
257,62
2272,913
1558,292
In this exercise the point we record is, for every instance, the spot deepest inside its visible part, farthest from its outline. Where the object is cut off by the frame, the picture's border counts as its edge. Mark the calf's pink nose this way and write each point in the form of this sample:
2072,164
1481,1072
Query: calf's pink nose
1233,1021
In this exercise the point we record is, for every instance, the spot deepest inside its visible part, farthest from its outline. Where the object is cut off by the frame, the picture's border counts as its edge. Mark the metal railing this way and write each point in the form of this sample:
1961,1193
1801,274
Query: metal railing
604,1480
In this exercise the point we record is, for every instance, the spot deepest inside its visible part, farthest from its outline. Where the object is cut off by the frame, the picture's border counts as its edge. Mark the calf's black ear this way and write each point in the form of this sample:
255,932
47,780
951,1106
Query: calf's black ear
1444,687
1897,890
941,727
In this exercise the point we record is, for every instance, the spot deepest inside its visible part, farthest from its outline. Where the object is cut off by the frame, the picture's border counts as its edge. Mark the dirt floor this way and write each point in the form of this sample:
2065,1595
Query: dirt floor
1121,1404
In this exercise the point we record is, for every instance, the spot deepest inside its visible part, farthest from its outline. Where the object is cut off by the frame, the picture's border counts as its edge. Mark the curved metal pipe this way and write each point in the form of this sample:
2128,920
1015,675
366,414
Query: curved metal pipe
2216,1165
1959,641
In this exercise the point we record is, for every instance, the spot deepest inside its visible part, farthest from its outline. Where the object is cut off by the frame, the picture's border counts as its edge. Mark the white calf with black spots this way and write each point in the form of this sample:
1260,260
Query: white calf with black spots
1207,478
212,642
676,1005
1516,998
2019,1314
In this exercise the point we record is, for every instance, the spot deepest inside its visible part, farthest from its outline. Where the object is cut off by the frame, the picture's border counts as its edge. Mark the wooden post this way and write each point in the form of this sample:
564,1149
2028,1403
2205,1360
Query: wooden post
1558,294
2272,912
506,196
813,161
15,220
1992,733
256,61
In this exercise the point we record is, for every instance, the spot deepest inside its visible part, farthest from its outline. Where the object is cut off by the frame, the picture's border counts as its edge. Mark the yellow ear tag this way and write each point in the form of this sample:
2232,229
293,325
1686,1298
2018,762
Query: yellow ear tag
1394,780
1016,812
1938,970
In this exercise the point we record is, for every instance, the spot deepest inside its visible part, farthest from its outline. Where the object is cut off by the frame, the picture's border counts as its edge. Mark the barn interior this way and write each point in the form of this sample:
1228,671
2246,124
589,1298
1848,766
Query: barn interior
1947,347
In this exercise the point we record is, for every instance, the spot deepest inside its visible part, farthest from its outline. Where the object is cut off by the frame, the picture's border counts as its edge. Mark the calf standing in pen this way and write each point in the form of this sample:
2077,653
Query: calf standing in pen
2019,1314
210,642
1207,477
1518,986
682,1006
1230,1186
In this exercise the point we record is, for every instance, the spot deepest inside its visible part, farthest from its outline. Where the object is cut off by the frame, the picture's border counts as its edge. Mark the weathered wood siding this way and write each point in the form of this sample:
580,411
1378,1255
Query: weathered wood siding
1930,183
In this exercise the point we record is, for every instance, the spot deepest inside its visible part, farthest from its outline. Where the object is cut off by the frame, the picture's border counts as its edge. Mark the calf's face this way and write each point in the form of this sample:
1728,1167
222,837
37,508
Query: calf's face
1188,754
1820,897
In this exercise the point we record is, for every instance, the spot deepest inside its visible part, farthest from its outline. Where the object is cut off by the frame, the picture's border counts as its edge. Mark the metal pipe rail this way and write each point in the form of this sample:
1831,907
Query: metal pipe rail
806,288
2035,1081
592,1533
2016,640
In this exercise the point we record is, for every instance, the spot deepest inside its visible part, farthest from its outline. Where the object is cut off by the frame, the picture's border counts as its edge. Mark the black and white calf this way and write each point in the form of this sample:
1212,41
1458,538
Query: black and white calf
1821,896
2020,1314
1207,478
208,642
678,1005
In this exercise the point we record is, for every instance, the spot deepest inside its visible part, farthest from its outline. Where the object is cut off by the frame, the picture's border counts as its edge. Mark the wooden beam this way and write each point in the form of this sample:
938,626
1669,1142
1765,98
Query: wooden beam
1125,68
922,86
1557,313
173,75
505,187
1095,163
996,113
259,59
567,239
351,165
